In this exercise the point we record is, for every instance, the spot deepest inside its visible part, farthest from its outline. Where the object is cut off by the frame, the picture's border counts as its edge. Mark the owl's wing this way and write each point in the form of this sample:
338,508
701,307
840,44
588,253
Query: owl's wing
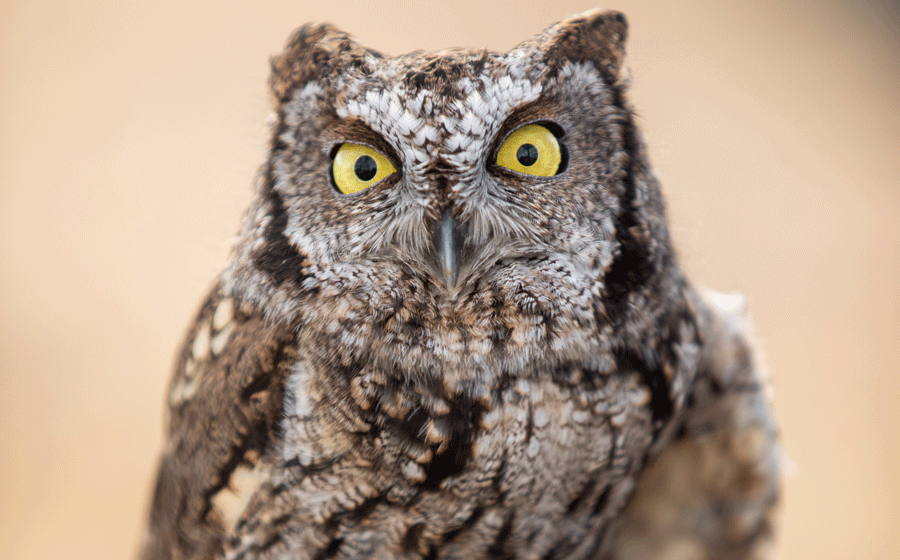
713,492
225,399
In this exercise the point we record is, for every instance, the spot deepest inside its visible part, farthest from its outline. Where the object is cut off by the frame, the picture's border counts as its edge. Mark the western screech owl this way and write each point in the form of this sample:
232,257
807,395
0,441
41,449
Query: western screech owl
453,326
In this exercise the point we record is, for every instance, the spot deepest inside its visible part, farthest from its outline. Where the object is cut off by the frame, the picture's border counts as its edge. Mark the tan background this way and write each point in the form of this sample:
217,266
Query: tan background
130,133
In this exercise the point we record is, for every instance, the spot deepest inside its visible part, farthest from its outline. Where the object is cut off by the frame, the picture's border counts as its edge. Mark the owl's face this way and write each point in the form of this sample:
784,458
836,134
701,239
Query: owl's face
436,144
463,203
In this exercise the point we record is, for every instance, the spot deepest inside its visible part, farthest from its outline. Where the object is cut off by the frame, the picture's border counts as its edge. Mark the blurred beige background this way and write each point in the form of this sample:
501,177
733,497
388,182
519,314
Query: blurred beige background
130,133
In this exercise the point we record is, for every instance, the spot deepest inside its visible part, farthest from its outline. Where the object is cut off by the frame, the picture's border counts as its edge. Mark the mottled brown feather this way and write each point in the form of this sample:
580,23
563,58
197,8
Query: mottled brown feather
229,421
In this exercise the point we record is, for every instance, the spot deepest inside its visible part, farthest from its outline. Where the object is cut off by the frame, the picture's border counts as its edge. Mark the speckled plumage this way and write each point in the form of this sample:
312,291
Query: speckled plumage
341,396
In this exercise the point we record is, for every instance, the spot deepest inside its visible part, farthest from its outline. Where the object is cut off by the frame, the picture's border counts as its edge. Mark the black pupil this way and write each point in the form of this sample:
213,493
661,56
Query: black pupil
365,168
527,154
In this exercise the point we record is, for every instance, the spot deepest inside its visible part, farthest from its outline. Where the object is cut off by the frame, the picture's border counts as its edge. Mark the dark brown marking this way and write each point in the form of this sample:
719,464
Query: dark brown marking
653,377
529,424
465,417
330,550
470,522
602,499
278,257
499,548
583,495
412,538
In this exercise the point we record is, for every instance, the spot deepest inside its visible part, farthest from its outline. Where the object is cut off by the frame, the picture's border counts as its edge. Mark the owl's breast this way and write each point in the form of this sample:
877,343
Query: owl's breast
561,457
499,423
538,464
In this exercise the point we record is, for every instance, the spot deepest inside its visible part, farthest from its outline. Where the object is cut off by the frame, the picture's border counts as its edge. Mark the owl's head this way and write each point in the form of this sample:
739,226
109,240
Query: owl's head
455,199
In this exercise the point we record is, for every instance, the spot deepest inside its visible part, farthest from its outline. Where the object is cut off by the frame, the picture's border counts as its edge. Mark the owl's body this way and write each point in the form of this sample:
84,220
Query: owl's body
436,353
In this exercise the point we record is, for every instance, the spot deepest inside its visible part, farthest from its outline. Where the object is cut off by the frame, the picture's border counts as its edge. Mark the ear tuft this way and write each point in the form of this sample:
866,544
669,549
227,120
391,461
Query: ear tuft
313,51
596,36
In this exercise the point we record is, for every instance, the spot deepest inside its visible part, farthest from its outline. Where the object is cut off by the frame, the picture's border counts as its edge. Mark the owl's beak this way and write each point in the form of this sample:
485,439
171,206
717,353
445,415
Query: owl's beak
448,238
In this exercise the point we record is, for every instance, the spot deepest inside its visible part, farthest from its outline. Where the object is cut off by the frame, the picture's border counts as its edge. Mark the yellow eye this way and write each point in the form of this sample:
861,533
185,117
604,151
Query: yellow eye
358,167
532,149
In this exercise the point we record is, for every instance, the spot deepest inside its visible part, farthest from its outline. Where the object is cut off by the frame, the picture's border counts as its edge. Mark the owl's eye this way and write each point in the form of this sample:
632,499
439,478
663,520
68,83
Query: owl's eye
533,150
358,167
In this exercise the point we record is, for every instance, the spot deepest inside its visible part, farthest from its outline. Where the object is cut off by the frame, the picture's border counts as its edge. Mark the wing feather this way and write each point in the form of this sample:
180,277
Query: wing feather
225,400
722,474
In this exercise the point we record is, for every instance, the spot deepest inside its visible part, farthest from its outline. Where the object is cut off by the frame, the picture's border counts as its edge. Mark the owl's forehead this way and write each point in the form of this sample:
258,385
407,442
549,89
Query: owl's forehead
449,104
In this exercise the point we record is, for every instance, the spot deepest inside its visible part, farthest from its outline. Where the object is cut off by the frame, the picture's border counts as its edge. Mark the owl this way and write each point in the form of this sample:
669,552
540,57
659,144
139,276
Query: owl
453,327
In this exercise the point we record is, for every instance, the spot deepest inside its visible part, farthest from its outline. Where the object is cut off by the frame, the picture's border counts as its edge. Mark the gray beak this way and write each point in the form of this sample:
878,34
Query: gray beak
448,238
